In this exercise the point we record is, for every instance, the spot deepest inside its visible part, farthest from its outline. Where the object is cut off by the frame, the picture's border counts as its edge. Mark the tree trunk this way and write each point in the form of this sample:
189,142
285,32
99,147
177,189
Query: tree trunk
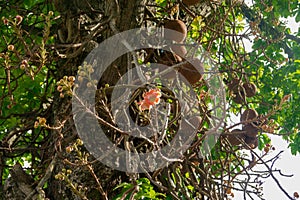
127,15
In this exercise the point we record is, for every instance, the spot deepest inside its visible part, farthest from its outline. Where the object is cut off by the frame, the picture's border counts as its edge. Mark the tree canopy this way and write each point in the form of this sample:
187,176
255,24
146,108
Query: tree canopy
45,47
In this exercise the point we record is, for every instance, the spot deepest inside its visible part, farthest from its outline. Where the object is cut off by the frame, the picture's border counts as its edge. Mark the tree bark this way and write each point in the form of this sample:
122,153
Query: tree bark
127,15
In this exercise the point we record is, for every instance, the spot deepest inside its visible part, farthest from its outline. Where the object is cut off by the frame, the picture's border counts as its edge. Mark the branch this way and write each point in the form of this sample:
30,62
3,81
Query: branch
292,37
42,182
272,175
267,28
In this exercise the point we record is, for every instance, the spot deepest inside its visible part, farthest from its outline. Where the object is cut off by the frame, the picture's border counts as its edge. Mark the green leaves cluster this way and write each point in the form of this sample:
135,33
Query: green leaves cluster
27,83
141,190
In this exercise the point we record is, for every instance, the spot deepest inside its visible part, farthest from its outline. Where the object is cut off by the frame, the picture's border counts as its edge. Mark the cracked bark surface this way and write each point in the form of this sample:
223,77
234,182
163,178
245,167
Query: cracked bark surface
127,15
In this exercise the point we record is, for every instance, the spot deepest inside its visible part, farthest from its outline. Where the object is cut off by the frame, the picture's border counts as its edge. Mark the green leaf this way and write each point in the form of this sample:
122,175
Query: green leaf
297,17
124,185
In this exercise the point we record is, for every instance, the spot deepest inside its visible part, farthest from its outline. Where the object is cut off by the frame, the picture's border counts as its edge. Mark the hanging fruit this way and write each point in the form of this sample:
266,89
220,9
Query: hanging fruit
250,89
192,71
179,27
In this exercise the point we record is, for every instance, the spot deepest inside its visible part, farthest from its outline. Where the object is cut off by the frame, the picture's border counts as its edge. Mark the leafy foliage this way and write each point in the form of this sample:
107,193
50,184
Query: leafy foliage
144,188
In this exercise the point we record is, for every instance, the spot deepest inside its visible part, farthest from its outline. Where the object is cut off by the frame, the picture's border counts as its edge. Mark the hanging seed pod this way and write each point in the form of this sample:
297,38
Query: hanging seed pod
250,129
249,114
192,71
178,49
179,27
252,142
234,85
250,89
239,97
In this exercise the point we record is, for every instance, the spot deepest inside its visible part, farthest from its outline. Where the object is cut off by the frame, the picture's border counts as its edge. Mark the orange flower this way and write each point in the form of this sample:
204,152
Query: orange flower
144,105
150,98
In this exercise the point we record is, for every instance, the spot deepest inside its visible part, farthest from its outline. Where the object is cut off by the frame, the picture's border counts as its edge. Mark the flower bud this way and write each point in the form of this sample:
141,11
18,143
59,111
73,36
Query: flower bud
89,84
42,121
286,97
5,21
296,195
19,19
82,73
25,62
71,78
22,66
69,149
266,149
90,69
59,88
79,142
10,47
36,124
80,79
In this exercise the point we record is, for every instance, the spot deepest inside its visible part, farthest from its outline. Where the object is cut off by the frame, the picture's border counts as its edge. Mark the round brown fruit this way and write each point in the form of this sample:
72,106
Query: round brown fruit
234,85
266,149
252,142
250,130
190,2
236,137
249,114
180,50
176,25
250,89
239,97
192,71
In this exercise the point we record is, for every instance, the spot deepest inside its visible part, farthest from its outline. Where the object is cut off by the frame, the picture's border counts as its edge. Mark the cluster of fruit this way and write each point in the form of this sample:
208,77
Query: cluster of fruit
249,132
241,90
248,135
190,68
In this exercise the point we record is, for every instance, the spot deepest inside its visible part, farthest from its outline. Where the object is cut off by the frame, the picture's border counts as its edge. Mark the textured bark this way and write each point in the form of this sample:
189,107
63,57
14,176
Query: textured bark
127,15
19,185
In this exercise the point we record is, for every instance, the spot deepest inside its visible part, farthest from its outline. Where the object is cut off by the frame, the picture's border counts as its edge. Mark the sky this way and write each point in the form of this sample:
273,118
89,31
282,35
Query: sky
289,165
